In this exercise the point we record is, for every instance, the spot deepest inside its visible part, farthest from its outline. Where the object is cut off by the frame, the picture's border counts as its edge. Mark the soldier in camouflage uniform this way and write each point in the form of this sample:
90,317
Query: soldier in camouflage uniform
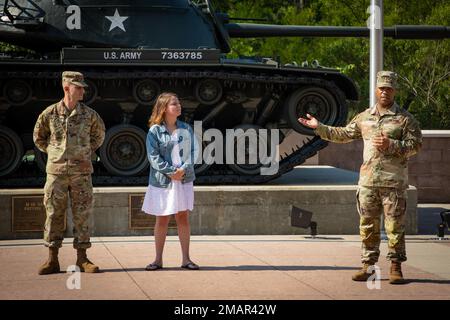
391,135
69,132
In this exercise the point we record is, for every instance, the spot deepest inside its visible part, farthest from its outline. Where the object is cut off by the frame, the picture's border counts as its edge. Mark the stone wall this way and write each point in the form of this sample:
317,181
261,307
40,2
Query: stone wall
218,210
429,171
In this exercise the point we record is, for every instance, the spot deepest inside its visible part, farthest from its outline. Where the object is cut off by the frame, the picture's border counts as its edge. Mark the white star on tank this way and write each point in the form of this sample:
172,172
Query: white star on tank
116,21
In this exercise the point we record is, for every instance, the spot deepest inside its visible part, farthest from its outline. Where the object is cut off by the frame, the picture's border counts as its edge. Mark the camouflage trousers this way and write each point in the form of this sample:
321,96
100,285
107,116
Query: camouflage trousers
371,203
57,190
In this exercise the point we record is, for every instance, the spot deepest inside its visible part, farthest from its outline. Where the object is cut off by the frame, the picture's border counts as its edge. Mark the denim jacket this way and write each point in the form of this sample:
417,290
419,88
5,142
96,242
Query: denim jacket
159,153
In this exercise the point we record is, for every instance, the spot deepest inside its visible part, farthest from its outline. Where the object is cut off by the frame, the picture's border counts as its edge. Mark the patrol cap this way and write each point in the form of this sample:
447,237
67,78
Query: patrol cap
74,77
386,79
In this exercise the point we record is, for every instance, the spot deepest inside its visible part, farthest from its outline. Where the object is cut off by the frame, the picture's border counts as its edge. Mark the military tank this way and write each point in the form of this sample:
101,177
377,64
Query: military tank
130,51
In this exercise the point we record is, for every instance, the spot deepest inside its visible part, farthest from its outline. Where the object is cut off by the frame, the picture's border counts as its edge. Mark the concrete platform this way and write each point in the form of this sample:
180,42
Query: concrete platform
326,191
288,267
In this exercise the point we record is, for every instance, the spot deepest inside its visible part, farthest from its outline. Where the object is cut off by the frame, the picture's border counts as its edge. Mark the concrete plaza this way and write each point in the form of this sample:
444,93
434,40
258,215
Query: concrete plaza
232,267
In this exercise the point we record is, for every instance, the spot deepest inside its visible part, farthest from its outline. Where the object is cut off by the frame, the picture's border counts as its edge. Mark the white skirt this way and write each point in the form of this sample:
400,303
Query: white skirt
171,200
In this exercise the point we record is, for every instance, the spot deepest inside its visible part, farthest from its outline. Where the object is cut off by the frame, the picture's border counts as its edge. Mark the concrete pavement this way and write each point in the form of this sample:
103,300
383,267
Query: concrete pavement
232,267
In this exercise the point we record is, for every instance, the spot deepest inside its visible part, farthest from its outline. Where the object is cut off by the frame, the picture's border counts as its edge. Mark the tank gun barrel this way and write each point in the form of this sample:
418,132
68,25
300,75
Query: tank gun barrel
252,30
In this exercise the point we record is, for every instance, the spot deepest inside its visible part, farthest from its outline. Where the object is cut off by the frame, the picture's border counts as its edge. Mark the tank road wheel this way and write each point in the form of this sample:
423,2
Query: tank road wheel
316,101
248,168
11,151
123,153
146,91
41,159
17,92
90,93
208,91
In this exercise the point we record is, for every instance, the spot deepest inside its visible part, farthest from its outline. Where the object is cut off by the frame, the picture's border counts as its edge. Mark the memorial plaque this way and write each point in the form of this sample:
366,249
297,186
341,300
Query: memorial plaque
138,219
28,214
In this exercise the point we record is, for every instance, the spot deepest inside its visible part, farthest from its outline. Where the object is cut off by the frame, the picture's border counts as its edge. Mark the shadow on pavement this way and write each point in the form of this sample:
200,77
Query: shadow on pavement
428,281
241,268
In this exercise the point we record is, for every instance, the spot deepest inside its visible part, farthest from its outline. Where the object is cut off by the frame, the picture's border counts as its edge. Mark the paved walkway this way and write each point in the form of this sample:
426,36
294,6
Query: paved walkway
232,267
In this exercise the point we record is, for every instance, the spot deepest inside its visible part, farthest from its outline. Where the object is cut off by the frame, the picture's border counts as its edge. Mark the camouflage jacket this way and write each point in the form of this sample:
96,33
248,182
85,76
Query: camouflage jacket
69,138
381,168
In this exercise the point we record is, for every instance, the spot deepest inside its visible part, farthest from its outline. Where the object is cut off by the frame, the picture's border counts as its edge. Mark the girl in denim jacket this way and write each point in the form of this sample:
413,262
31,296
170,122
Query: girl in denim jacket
170,150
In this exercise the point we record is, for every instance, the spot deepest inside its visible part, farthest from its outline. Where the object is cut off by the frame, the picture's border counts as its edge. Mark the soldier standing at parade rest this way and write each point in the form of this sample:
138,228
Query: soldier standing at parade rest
69,132
391,135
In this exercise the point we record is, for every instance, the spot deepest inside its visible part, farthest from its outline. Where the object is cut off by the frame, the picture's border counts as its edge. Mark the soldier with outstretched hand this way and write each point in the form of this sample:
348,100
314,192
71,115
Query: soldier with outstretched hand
69,132
391,135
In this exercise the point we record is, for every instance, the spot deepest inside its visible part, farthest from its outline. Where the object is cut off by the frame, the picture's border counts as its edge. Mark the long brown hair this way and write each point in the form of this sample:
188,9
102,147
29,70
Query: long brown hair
159,109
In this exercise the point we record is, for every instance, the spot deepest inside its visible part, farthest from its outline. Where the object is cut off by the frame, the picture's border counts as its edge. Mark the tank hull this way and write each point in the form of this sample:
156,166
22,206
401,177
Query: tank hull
254,94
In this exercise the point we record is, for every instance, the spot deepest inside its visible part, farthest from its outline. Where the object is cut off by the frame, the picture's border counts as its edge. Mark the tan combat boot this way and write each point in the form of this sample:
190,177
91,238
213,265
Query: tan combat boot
84,264
396,276
363,274
52,264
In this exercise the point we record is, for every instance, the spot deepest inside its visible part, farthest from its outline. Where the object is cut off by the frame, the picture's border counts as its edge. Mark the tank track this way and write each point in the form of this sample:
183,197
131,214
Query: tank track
213,175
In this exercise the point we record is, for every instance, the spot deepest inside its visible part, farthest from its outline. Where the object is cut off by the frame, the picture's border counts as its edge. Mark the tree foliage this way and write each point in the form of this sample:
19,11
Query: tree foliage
424,64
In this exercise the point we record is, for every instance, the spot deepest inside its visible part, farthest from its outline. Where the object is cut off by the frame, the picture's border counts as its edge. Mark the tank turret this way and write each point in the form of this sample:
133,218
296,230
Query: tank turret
130,51
48,25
